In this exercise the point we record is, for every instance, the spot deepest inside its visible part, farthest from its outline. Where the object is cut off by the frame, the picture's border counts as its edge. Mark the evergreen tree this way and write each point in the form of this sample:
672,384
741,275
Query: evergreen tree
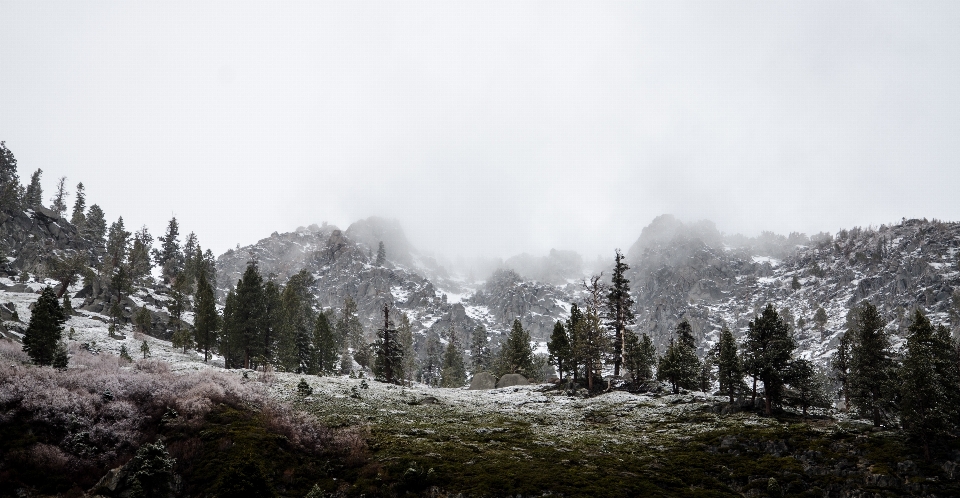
454,372
296,328
245,319
34,195
768,350
632,356
872,379
929,411
139,258
480,356
381,255
124,354
60,356
143,320
516,354
647,358
729,369
271,321
593,342
807,386
405,336
95,227
679,365
206,321
619,309
574,328
191,262
79,205
840,364
177,306
10,190
67,307
388,364
58,203
324,346
45,330
559,349
432,362
820,317
349,328
795,283
169,258
145,349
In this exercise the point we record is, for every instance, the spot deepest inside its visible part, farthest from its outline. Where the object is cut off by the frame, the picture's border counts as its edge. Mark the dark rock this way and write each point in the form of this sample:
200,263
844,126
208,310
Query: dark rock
483,381
510,380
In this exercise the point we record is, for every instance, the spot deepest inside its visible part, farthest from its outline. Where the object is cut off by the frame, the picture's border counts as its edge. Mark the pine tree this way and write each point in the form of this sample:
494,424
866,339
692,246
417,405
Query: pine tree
67,307
516,354
95,227
58,203
577,347
34,195
145,349
10,190
840,365
768,350
872,378
296,327
271,321
632,361
245,320
177,305
807,386
405,336
139,258
45,329
60,356
169,258
619,309
206,321
79,205
191,261
729,369
349,329
381,255
928,408
432,361
124,354
559,349
648,358
453,372
143,320
324,346
820,317
795,284
679,365
480,356
388,364
593,342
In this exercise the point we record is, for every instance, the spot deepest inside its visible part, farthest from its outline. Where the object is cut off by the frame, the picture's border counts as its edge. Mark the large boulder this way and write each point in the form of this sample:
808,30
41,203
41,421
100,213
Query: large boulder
512,380
483,381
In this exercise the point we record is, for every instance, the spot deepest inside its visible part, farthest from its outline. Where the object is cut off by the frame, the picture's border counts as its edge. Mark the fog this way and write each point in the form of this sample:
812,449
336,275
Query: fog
489,127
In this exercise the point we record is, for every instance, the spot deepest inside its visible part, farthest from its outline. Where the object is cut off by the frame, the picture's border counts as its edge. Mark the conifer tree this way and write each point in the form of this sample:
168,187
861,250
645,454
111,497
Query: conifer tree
296,327
840,365
143,320
559,349
872,379
795,283
67,306
191,263
928,402
405,336
206,320
177,305
679,365
577,347
388,364
349,328
593,342
820,317
729,369
430,374
145,349
95,226
10,190
34,195
271,321
245,319
324,346
58,203
480,358
807,385
139,258
79,205
632,362
381,255
516,354
647,357
169,258
768,350
60,356
619,309
454,372
45,330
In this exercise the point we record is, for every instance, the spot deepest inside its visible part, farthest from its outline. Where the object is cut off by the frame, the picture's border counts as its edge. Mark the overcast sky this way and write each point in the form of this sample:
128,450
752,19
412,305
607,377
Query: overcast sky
489,127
